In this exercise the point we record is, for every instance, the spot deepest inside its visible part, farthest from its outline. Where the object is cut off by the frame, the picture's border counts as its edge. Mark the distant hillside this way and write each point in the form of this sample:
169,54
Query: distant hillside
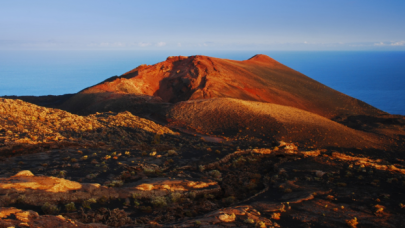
234,117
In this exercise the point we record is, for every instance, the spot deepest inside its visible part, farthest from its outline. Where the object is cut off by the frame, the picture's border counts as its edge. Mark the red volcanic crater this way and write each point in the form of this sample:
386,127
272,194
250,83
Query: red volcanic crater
181,78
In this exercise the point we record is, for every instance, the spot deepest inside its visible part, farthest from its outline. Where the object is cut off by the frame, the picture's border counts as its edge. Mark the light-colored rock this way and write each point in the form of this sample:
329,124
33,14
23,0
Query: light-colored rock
90,187
319,173
25,180
146,187
32,219
227,217
24,173
25,216
6,211
172,184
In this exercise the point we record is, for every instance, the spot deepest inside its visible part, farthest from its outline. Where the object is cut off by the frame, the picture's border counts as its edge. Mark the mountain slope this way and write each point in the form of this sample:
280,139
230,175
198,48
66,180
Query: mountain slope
234,117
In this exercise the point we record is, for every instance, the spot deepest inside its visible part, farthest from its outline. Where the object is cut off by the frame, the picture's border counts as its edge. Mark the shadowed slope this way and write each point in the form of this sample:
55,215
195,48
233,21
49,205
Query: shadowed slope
28,128
260,78
236,117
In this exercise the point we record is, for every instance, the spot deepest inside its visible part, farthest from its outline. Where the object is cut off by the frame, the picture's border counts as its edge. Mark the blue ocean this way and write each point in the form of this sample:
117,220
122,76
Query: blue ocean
377,78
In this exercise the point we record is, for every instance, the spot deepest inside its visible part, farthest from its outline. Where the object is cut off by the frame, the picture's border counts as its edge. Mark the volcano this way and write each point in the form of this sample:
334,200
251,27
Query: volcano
181,78
258,97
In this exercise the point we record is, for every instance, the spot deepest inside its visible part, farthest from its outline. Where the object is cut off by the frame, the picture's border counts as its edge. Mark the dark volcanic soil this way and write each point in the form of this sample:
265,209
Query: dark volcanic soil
147,174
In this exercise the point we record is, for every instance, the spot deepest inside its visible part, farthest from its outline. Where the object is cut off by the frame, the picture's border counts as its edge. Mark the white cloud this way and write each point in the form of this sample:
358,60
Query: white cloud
118,44
161,44
399,43
379,44
144,44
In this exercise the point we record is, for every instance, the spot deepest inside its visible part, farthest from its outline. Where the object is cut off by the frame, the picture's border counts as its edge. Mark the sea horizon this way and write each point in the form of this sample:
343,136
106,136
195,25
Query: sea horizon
375,77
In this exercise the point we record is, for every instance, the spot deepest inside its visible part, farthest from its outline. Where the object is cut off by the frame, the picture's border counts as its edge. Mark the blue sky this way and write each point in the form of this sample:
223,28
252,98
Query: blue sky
203,25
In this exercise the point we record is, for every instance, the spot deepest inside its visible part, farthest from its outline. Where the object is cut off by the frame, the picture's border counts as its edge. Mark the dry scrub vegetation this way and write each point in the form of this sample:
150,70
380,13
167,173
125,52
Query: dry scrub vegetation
27,126
117,169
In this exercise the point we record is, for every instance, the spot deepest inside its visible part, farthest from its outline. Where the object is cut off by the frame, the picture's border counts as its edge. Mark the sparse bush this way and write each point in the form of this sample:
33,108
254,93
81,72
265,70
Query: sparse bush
116,183
127,202
209,196
390,180
238,162
175,196
136,203
21,199
87,203
136,195
215,173
287,190
249,221
102,200
192,195
91,176
70,207
146,209
252,184
229,200
6,200
159,201
156,139
48,208
62,174
148,171
171,153
188,213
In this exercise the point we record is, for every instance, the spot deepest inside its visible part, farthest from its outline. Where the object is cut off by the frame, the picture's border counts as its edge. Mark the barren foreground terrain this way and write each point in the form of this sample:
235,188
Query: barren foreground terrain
191,142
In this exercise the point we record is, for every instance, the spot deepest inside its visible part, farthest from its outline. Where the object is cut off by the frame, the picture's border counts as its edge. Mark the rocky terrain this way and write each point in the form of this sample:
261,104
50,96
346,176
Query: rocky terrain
201,142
